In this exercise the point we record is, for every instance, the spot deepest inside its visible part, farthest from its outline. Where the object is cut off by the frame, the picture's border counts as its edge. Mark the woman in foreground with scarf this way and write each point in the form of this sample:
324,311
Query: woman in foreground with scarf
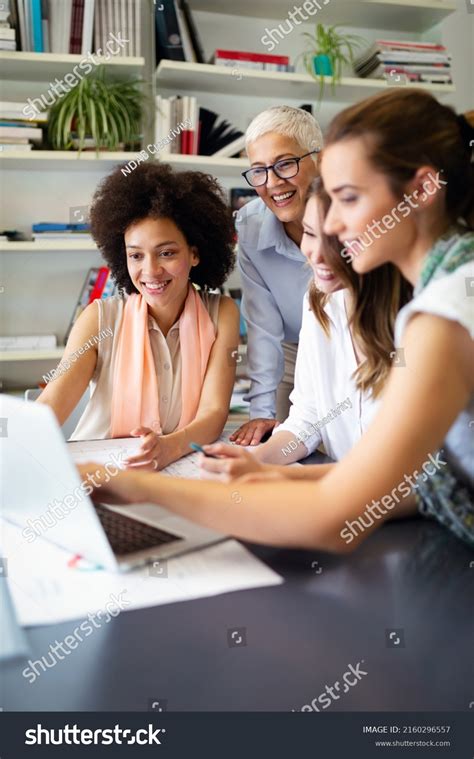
164,373
399,162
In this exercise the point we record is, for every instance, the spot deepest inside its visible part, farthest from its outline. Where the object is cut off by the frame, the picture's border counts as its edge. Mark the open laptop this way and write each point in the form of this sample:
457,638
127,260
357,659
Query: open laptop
42,494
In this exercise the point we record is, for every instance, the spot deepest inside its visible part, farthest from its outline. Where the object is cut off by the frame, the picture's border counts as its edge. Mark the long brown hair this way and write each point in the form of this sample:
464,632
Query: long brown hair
377,297
410,128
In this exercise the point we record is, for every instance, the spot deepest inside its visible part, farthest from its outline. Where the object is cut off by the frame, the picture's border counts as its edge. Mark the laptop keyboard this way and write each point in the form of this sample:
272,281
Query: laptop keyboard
128,535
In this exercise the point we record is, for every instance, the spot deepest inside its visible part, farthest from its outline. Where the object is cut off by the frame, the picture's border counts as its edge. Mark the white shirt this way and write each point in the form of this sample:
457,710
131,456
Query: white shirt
452,298
326,405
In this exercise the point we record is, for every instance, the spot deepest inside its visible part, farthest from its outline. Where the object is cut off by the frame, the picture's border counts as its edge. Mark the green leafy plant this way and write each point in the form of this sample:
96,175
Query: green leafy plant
108,111
338,49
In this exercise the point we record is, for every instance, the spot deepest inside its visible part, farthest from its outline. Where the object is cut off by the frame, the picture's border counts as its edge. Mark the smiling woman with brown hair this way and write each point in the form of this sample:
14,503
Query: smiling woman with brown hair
164,374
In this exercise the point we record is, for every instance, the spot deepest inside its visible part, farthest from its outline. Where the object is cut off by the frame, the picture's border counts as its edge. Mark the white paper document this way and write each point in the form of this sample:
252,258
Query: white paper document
48,586
100,451
118,449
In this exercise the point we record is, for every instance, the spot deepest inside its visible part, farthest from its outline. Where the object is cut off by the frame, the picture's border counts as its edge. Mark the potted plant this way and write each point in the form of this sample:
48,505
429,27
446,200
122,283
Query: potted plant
98,113
327,51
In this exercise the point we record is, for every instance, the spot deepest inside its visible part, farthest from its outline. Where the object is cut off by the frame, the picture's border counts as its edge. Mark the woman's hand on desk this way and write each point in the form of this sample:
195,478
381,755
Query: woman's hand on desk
251,433
232,462
154,453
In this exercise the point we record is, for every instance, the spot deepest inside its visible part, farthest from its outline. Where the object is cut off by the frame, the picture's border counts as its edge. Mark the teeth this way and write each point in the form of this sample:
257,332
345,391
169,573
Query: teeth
155,285
285,196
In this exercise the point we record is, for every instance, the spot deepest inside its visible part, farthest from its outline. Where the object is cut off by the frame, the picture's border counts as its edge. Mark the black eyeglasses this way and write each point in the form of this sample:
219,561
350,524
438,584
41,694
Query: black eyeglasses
284,169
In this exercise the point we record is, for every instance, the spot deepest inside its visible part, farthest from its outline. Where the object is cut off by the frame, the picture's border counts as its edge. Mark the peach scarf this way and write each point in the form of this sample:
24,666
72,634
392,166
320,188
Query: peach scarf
135,391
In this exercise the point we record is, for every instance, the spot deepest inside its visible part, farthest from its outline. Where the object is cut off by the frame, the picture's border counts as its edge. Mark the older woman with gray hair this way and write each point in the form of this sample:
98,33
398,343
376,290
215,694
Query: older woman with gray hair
282,145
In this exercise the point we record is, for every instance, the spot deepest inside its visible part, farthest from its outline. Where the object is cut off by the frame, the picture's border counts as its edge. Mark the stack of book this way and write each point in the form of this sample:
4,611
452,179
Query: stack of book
57,231
18,133
7,29
177,37
242,60
76,26
191,130
417,61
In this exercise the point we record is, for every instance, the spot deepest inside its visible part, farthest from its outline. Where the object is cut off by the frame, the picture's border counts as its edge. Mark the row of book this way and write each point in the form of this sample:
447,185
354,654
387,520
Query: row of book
177,39
176,34
415,61
192,130
52,230
16,131
259,61
71,26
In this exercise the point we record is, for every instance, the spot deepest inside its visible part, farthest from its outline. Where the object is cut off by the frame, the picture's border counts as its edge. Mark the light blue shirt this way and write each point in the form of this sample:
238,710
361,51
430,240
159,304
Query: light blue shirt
275,277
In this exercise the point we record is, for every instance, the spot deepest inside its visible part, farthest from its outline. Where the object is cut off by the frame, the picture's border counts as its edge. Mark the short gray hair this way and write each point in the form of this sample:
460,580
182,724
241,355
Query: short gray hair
295,123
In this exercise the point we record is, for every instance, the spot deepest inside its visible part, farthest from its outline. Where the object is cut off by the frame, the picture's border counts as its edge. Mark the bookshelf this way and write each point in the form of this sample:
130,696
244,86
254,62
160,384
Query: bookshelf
399,15
67,179
204,77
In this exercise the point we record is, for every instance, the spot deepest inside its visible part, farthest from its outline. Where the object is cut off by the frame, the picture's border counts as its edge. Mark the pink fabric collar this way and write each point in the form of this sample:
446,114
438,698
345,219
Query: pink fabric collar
135,395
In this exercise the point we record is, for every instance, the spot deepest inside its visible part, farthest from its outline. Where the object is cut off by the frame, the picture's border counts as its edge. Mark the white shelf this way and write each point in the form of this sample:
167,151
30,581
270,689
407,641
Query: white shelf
402,15
58,160
45,245
63,160
192,77
52,354
40,67
225,166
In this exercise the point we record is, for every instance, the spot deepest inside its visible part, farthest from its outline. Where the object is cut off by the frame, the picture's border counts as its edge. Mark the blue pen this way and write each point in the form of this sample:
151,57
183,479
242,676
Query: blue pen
200,449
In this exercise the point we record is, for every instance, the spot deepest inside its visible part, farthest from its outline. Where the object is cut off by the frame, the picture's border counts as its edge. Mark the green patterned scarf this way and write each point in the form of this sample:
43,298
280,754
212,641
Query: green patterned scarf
454,249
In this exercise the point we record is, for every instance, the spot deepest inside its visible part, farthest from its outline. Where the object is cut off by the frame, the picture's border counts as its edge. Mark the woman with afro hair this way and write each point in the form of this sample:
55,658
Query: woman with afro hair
164,373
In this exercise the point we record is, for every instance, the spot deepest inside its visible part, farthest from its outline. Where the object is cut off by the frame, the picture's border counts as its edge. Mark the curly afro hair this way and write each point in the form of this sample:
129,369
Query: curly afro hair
192,200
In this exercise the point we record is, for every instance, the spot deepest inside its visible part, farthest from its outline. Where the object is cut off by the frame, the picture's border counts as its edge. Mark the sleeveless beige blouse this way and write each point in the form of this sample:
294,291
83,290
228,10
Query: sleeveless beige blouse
95,422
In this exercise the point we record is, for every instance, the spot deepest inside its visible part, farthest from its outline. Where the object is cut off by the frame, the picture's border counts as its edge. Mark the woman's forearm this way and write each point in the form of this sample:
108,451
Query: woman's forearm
202,430
308,472
250,511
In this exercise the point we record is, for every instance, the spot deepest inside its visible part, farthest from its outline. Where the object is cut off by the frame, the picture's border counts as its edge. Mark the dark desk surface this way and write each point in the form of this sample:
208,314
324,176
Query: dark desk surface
331,612
301,635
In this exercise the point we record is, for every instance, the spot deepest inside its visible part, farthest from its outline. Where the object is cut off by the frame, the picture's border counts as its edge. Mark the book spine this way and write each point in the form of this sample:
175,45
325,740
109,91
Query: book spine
238,55
36,26
409,45
87,26
193,32
137,26
101,280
